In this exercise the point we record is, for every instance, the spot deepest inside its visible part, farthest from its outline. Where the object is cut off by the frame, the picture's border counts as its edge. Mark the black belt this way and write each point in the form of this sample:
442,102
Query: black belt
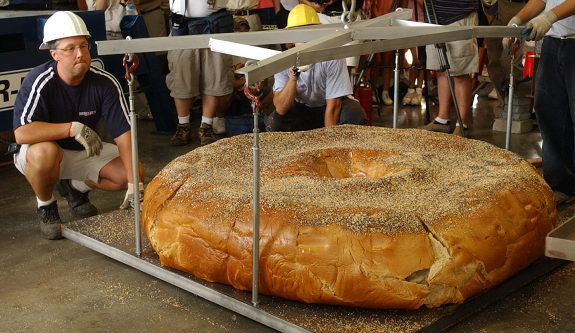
524,1
142,12
243,12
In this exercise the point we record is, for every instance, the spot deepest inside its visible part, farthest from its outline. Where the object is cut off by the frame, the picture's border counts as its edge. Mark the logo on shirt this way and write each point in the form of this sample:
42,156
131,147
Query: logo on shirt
87,113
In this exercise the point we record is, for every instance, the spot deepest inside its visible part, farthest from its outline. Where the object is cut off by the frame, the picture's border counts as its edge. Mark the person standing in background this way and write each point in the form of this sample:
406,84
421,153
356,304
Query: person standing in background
554,22
463,59
498,65
195,72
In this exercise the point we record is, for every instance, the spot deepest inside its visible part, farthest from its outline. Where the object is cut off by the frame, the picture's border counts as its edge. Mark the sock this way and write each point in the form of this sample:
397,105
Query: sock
80,186
207,120
441,120
184,120
464,126
45,203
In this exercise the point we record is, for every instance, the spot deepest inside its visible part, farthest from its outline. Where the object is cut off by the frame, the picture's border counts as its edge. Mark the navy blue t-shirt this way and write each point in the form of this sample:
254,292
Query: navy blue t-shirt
449,11
43,96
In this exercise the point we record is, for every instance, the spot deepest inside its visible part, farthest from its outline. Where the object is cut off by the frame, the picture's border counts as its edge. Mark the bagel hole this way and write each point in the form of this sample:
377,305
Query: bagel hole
346,163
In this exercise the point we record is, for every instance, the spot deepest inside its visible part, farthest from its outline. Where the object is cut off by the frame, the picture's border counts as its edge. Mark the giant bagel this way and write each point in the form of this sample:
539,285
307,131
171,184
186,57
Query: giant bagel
352,215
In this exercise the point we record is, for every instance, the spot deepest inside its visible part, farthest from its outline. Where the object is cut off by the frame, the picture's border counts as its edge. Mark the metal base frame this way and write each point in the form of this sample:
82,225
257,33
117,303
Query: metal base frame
112,235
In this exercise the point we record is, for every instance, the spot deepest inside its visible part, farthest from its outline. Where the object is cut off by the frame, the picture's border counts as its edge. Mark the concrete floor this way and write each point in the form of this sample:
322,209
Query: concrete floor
55,286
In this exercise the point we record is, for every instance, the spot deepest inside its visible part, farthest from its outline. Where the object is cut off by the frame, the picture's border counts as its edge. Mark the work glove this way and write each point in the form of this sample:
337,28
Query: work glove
129,197
538,26
86,137
489,3
295,71
512,44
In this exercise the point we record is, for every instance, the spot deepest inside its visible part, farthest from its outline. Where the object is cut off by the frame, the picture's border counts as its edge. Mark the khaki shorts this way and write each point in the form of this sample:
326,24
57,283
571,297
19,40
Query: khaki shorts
75,164
463,55
199,71
156,23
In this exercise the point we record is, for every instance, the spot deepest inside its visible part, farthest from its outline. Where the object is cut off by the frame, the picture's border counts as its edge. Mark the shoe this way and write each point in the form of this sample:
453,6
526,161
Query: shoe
435,126
457,131
182,135
50,222
385,98
416,100
78,202
219,125
206,134
408,97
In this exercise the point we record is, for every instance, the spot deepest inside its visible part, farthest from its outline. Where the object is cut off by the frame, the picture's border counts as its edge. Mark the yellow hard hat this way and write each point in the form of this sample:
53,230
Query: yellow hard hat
302,15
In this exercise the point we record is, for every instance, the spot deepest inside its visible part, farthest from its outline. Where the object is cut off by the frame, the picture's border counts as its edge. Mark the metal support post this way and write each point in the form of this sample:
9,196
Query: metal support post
509,105
134,138
256,209
396,89
256,105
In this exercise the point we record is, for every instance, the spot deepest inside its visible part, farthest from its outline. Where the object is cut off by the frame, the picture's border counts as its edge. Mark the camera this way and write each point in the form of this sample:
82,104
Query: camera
177,20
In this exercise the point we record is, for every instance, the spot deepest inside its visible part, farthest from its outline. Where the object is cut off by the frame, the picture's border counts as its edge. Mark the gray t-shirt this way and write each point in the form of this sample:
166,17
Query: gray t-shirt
564,27
324,80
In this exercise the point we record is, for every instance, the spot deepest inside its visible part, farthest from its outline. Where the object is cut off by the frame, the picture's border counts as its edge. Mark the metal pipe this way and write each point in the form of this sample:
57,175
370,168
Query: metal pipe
509,105
135,171
396,89
256,208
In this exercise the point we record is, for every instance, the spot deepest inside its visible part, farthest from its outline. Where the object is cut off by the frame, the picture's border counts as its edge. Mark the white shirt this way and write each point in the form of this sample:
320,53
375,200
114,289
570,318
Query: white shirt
564,27
324,80
193,8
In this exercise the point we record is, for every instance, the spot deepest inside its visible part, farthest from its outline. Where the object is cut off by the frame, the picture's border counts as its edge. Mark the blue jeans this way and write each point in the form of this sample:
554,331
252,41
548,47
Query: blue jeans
555,110
219,22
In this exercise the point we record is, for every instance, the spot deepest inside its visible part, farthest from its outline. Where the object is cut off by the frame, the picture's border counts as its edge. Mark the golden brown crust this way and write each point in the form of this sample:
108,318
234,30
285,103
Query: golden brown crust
353,215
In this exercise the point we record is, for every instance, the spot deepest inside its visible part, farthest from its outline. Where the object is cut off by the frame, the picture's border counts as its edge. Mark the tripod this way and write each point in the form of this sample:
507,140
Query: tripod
443,60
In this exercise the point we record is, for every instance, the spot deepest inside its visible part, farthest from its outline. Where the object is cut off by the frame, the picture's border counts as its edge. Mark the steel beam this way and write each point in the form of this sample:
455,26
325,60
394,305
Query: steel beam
305,34
291,57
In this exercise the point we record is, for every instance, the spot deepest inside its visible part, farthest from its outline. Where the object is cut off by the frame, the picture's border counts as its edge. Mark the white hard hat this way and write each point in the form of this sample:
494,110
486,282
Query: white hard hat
62,25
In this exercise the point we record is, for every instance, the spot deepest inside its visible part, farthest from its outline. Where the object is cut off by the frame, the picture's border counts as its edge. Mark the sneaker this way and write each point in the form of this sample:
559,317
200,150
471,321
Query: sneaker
78,202
219,125
435,126
416,100
182,135
385,98
408,97
206,134
457,131
50,222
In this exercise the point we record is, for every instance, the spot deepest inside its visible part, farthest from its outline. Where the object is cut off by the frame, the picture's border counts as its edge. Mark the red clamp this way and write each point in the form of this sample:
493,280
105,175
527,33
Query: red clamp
255,98
130,70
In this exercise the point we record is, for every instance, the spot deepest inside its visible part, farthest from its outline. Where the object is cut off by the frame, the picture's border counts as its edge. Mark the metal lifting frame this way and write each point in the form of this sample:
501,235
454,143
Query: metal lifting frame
323,42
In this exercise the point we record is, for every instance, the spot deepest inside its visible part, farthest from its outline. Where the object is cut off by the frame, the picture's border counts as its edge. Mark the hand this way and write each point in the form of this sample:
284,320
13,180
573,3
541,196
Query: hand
489,3
87,137
511,44
538,27
129,197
